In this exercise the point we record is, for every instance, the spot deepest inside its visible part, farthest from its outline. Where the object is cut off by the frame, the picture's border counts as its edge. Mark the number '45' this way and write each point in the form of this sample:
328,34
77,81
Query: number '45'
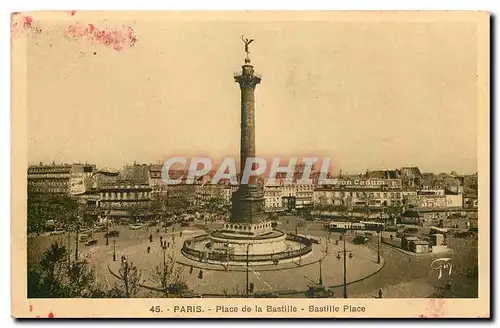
155,309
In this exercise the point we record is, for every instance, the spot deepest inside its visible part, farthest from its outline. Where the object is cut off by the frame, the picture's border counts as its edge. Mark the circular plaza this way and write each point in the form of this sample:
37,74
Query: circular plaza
246,244
321,265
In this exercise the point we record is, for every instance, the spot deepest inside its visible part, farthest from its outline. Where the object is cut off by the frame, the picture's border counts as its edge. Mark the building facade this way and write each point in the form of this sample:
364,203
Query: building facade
125,200
58,178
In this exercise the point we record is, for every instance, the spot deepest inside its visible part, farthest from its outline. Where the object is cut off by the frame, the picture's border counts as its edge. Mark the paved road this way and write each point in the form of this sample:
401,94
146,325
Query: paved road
408,275
403,275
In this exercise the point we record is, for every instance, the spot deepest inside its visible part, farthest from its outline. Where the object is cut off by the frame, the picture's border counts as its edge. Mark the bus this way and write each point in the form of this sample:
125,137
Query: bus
339,226
375,226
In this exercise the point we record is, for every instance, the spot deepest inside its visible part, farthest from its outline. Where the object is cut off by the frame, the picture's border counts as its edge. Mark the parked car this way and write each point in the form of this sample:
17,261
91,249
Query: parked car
91,242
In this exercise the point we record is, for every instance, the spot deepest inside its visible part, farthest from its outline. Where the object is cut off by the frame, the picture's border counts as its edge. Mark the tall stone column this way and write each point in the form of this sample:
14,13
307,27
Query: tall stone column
248,200
247,81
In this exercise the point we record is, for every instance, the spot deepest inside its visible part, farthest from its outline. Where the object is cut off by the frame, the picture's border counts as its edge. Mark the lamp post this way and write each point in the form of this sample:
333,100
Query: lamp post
340,254
320,273
379,232
107,228
327,238
247,286
114,250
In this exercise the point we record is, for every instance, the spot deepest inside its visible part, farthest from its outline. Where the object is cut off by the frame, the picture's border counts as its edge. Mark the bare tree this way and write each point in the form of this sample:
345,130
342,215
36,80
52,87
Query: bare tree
169,275
130,279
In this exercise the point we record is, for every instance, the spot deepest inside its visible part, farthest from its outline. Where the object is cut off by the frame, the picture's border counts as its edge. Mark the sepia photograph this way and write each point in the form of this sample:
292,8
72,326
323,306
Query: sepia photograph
250,164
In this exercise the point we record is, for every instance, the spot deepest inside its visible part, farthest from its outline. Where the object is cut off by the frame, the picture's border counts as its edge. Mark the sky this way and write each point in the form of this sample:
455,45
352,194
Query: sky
368,94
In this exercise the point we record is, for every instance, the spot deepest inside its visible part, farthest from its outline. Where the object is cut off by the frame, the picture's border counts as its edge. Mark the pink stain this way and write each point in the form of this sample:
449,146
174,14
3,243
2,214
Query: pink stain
73,12
19,22
51,315
435,310
27,21
114,38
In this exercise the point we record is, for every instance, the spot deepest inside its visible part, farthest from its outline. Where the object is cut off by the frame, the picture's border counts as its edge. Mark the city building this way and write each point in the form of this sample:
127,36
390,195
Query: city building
125,200
272,196
58,178
360,193
137,173
453,199
304,195
411,177
159,188
104,177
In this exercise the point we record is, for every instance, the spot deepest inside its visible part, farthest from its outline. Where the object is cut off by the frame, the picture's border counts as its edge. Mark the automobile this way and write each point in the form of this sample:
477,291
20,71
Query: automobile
91,242
56,232
112,233
358,240
184,224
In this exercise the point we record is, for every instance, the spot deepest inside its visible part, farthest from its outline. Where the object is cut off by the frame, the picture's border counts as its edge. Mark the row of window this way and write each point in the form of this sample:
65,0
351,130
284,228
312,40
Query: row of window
365,194
125,195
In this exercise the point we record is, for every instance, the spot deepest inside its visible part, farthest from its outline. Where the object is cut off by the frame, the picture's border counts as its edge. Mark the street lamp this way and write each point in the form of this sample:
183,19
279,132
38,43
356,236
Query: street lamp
343,254
107,227
247,285
320,273
379,232
114,250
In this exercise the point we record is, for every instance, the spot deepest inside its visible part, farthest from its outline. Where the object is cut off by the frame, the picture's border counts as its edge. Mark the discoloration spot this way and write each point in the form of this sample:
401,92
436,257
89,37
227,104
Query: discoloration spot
435,309
117,39
23,23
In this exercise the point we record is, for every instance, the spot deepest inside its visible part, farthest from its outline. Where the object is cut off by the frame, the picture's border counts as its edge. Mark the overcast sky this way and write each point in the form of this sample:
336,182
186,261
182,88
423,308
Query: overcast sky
369,95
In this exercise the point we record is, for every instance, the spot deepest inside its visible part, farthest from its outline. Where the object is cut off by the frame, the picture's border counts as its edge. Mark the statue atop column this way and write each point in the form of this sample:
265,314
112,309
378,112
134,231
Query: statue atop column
247,43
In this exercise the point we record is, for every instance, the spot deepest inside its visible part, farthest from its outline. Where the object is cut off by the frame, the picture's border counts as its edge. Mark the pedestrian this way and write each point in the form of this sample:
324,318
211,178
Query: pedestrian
380,294
191,269
168,244
150,238
180,234
149,249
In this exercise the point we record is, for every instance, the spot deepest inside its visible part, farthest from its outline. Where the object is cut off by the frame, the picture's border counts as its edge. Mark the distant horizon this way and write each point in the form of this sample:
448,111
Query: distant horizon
344,172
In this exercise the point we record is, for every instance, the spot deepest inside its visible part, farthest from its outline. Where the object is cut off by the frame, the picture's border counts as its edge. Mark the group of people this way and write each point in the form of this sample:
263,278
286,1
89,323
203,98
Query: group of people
163,243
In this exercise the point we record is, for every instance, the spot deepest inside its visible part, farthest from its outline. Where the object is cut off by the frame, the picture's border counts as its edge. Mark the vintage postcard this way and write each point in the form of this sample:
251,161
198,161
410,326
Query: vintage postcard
250,164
